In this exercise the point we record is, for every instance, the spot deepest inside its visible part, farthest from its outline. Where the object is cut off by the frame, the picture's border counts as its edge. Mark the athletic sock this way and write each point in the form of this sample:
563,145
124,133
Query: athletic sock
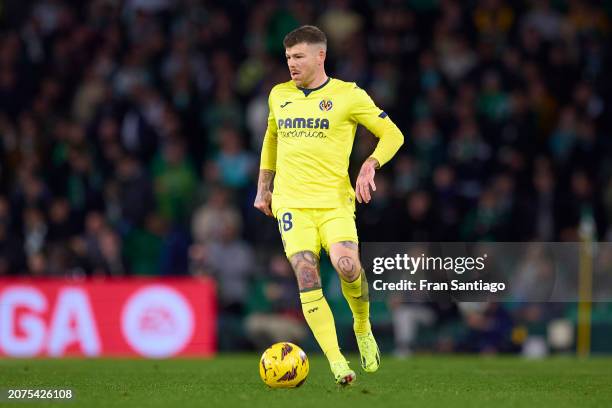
321,321
357,295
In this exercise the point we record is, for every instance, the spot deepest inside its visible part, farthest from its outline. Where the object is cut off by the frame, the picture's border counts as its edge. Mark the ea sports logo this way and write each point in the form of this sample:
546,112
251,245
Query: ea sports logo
157,321
325,105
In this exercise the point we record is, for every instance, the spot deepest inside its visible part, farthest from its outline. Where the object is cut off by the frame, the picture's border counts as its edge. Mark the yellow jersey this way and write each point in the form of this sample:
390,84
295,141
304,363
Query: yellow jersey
309,140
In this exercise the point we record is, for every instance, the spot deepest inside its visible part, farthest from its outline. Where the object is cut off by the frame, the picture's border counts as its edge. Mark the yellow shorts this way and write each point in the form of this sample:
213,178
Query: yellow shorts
309,229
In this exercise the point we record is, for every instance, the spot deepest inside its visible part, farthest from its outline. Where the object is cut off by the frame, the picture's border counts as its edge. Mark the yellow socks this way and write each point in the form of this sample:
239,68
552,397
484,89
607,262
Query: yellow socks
357,295
321,321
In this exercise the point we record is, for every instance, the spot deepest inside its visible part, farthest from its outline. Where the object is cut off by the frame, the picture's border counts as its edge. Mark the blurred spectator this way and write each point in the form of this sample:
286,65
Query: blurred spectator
379,215
212,219
489,328
486,221
340,23
135,191
545,20
446,201
143,246
544,209
175,182
230,261
407,320
493,19
35,231
12,254
61,223
109,261
235,164
417,222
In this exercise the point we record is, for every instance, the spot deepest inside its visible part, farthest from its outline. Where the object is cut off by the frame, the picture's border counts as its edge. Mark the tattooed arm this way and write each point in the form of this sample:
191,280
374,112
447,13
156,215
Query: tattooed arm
265,185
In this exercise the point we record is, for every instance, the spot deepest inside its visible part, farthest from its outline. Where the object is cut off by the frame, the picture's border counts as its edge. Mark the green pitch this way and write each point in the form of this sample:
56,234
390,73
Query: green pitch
233,381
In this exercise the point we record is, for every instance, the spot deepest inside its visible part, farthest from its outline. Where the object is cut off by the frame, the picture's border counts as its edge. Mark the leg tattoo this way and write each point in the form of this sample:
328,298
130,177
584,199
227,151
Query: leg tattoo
346,267
306,267
349,244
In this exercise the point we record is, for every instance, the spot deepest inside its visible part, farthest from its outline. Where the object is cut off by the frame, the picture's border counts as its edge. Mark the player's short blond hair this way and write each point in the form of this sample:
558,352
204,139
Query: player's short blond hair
308,34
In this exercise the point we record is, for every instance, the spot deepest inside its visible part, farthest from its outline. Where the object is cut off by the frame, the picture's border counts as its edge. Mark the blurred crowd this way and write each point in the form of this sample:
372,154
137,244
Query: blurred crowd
130,131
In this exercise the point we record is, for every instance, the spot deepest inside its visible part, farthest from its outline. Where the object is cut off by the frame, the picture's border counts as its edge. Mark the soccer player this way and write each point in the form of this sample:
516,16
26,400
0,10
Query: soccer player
304,183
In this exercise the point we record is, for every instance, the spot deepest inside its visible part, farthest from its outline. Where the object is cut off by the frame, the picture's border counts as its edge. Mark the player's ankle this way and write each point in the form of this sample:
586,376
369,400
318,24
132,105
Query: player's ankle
362,327
334,356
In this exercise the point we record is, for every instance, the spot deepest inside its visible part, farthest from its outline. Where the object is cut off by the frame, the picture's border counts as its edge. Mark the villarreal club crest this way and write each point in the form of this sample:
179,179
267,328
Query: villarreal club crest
325,105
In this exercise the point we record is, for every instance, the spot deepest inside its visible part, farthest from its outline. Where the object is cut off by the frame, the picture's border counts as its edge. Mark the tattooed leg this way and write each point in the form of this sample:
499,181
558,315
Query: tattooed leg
316,310
306,267
345,258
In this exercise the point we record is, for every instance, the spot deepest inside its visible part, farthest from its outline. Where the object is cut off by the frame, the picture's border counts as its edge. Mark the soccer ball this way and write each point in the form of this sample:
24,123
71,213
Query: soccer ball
283,365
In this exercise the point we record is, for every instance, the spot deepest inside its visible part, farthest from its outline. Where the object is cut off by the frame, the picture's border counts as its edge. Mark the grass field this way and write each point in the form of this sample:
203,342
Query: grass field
233,381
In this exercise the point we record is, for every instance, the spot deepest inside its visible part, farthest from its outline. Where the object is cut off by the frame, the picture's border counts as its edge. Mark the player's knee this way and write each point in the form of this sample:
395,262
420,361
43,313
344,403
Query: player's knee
348,267
306,267
345,258
308,279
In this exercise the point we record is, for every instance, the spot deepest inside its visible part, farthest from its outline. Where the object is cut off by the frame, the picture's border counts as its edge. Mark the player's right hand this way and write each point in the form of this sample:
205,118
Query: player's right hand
263,203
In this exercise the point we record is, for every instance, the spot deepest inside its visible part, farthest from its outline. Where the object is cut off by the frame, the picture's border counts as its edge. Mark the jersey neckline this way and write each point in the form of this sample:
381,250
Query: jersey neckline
308,91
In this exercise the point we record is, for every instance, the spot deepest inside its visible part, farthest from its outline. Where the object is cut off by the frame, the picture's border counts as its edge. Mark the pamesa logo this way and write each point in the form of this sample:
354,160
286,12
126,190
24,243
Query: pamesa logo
303,123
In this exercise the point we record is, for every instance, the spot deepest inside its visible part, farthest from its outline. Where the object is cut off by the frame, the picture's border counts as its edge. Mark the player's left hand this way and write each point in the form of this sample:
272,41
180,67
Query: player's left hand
365,180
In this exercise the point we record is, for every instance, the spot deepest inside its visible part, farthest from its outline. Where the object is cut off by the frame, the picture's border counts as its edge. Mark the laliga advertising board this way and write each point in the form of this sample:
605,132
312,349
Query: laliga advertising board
122,317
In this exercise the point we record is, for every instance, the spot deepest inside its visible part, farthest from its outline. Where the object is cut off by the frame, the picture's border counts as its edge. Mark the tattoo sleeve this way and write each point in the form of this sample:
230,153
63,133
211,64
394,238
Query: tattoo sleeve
265,183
